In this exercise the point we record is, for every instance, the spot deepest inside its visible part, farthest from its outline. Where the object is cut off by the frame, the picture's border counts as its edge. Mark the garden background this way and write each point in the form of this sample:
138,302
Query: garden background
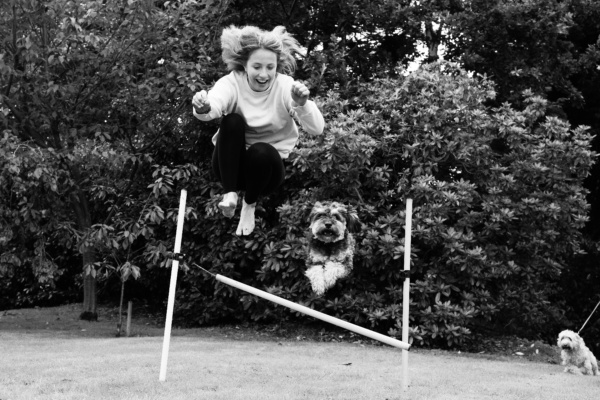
486,113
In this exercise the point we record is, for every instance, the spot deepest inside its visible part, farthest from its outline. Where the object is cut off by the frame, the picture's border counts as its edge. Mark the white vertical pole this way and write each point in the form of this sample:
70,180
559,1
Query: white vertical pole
406,292
171,302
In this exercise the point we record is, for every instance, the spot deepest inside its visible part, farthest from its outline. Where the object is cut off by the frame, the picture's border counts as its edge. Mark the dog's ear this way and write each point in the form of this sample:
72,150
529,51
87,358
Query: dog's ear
352,221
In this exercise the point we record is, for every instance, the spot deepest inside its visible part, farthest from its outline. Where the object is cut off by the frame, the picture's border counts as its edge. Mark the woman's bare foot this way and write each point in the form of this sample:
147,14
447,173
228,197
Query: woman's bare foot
247,222
228,204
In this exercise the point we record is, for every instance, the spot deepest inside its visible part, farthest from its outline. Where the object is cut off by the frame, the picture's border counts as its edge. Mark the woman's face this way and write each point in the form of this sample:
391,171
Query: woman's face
261,69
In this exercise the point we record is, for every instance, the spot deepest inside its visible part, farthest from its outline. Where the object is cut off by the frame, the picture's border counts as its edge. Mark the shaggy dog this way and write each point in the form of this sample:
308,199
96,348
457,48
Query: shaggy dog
575,355
330,244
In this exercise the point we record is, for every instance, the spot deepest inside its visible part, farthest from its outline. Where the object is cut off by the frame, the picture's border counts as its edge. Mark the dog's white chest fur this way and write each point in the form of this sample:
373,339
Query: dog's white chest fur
324,270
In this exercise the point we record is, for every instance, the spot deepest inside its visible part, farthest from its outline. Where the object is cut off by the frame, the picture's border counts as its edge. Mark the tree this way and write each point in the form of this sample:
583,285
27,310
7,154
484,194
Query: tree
520,45
97,139
552,48
84,92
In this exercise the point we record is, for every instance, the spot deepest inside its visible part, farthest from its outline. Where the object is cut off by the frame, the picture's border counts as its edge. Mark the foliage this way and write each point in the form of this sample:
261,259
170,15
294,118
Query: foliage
495,224
31,230
552,48
97,141
522,44
92,91
346,39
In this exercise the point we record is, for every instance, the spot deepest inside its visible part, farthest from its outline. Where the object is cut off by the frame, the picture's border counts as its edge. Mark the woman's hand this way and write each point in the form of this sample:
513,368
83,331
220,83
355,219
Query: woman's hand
300,93
201,103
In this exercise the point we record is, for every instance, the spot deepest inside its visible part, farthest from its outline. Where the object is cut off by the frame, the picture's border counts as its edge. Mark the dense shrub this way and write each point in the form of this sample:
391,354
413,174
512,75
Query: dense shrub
498,206
97,140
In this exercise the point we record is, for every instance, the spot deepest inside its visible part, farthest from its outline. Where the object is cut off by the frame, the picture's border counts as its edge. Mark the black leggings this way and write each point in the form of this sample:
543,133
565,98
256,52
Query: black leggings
258,170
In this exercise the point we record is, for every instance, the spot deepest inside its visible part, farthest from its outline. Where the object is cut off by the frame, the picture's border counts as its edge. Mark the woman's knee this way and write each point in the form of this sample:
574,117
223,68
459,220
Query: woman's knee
264,170
232,132
263,160
233,123
263,152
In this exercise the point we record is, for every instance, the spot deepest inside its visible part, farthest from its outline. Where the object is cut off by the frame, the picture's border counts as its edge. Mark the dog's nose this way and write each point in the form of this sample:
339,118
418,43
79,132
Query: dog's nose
328,224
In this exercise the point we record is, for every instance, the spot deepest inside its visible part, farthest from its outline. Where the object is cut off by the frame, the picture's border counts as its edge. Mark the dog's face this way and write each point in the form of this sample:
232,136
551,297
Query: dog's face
330,220
568,340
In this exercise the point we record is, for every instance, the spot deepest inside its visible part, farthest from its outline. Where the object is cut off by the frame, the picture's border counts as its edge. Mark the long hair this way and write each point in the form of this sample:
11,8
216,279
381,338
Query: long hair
238,43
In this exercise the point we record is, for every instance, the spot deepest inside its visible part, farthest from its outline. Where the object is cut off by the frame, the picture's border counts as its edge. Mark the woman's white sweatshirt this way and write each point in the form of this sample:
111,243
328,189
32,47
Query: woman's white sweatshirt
269,115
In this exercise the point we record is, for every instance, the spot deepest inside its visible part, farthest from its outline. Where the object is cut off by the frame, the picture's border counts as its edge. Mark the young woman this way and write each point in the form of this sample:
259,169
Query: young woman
258,101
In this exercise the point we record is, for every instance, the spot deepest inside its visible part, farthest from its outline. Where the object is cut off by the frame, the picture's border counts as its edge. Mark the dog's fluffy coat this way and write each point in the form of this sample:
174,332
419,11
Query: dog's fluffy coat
330,244
576,357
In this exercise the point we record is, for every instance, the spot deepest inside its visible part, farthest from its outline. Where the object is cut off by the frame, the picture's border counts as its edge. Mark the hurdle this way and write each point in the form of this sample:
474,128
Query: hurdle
406,291
310,312
172,286
403,345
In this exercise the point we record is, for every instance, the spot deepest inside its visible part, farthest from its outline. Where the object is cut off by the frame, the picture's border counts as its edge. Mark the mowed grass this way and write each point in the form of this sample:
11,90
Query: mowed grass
51,365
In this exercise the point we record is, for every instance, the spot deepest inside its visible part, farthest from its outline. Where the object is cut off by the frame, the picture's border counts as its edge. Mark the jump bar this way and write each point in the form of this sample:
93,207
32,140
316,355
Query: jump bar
316,314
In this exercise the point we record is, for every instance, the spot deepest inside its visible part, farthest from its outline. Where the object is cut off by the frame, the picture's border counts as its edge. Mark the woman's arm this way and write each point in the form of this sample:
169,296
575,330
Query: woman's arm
215,103
306,111
310,118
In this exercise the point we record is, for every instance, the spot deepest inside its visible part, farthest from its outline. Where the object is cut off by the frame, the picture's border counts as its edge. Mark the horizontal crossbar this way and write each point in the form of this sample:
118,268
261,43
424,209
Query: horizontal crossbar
313,313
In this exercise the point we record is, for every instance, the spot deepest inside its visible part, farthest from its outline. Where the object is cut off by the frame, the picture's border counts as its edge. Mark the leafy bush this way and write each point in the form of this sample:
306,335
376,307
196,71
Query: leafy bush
93,92
498,201
498,194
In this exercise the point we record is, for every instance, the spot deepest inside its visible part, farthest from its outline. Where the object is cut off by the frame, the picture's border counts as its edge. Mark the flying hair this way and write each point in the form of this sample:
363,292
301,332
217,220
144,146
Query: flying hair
238,43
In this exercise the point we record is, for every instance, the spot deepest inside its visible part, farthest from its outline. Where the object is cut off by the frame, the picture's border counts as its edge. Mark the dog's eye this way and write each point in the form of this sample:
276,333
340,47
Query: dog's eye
338,217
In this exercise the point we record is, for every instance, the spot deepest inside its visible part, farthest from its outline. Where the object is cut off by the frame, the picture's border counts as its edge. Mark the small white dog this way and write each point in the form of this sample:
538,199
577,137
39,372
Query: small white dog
576,357
330,244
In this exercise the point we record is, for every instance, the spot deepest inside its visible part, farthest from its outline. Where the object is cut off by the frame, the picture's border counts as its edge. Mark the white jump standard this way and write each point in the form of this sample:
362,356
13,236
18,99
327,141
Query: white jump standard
406,290
171,299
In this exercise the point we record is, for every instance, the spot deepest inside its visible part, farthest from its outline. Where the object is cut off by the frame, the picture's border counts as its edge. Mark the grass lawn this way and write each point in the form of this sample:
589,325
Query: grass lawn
83,362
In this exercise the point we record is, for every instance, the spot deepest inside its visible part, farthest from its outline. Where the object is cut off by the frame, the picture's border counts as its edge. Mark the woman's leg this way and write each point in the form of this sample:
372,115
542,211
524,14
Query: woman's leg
228,159
263,173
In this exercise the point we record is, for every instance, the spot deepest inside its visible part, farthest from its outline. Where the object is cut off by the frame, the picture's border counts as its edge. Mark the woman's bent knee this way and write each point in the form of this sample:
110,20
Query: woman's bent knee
233,122
263,151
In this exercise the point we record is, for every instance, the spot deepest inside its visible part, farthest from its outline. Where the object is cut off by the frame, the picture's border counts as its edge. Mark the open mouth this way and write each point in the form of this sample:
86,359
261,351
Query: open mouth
328,233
